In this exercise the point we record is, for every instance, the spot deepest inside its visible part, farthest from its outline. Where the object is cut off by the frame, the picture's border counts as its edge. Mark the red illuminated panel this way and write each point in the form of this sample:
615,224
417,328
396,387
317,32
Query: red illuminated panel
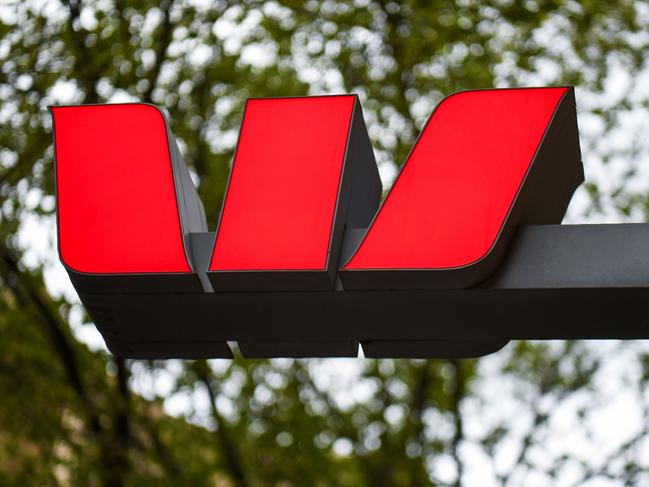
116,201
452,197
281,200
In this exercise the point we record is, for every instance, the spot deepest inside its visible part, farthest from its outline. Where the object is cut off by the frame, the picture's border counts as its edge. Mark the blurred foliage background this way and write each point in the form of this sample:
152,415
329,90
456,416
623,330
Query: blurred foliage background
534,414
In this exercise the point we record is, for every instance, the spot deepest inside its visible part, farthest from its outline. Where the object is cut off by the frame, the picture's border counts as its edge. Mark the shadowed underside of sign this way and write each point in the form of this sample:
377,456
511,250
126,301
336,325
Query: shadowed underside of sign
304,262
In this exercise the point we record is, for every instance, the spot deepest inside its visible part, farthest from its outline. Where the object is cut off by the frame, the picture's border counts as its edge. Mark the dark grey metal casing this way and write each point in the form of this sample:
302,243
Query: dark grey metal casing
555,282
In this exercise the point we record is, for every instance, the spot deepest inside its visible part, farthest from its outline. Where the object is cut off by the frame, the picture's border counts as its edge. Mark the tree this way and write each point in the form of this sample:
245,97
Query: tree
74,415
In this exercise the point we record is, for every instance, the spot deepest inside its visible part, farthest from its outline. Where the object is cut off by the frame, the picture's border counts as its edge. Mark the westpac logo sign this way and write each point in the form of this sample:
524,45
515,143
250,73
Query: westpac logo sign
302,210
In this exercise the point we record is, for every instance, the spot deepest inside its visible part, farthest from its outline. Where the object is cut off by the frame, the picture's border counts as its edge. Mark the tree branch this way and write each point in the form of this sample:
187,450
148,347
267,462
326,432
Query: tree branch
82,60
458,395
228,448
417,407
166,30
37,303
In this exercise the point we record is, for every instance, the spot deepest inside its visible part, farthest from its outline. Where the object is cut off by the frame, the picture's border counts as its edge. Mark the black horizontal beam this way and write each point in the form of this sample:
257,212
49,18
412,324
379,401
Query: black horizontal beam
556,282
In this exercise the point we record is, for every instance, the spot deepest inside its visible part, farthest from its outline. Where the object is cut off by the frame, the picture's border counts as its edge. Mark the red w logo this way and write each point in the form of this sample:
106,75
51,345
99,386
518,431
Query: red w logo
303,172
301,211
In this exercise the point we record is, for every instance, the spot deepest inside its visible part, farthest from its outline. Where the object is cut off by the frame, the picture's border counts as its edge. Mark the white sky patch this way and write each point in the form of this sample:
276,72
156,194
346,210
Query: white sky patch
200,55
24,82
155,383
259,55
224,28
340,377
343,447
87,18
152,20
147,56
235,31
388,171
122,96
64,92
